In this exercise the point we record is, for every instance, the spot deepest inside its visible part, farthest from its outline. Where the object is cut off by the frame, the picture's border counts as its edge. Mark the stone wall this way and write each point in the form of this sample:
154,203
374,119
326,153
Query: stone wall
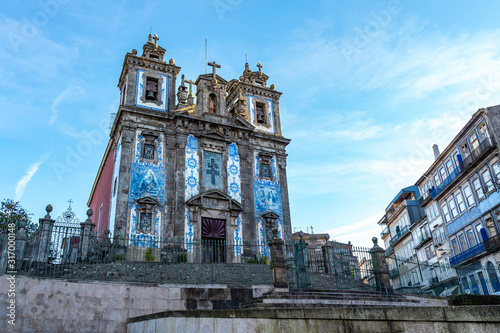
477,319
48,305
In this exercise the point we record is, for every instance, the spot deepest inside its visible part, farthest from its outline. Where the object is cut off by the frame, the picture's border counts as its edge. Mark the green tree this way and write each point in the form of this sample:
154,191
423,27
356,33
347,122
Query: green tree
12,212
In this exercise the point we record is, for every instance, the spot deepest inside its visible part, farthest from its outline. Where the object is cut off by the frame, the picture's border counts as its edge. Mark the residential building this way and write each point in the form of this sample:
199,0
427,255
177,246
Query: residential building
461,197
400,215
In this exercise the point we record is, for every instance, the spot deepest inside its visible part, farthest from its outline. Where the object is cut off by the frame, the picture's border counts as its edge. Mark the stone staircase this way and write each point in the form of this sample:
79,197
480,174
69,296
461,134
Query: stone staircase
300,298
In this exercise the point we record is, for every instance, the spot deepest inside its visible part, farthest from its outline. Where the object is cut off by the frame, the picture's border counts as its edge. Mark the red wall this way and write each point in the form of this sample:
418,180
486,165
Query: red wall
102,195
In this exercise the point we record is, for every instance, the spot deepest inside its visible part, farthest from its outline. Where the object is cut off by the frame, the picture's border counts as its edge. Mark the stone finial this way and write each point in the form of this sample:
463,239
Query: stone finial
272,86
327,237
90,212
134,52
375,241
171,62
48,209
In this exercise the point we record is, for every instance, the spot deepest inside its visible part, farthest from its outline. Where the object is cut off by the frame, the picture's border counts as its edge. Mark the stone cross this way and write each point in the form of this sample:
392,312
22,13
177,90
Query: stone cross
156,38
260,68
70,202
212,170
190,86
214,67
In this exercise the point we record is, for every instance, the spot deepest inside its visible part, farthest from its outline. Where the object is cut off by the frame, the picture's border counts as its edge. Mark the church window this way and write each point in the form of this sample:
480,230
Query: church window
212,170
151,89
265,170
149,146
212,103
145,222
146,215
148,152
260,111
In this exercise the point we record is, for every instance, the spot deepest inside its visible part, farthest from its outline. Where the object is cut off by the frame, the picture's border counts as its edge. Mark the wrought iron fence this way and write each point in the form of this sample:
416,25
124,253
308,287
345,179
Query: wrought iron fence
73,254
329,266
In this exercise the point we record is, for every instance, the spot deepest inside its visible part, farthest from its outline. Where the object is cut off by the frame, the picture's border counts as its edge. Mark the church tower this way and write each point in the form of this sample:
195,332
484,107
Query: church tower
211,167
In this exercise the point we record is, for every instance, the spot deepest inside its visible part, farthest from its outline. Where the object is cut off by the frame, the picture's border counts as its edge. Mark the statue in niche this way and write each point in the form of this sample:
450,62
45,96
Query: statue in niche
211,104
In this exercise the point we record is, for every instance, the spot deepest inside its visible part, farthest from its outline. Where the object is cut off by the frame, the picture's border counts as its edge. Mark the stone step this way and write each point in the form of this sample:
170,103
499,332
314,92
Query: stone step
331,301
329,295
330,304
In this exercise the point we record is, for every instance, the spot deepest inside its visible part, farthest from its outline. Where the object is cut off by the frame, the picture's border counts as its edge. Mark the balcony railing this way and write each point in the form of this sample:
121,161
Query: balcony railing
470,159
399,235
492,243
384,232
426,236
461,257
393,273
425,198
388,251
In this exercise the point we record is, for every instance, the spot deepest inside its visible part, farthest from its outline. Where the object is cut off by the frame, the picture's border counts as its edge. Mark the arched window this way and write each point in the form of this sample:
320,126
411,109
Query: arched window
492,274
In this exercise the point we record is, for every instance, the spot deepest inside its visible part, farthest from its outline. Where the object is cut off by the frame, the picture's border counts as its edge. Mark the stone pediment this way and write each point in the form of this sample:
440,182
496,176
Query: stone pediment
215,199
215,136
242,122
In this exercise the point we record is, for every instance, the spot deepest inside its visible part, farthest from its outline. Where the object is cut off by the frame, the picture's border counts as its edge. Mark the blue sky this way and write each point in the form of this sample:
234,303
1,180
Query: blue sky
368,87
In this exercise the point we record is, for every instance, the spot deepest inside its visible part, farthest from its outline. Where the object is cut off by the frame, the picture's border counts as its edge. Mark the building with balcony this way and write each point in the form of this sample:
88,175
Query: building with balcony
400,215
461,198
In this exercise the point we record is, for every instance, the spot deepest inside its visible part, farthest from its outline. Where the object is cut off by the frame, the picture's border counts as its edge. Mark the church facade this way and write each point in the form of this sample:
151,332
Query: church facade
192,168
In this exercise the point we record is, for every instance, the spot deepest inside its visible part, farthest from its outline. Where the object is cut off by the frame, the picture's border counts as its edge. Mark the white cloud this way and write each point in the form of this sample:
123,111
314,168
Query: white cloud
71,90
23,182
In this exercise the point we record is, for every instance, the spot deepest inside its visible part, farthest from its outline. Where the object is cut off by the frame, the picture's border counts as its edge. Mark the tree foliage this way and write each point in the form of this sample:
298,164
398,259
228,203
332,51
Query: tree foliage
12,212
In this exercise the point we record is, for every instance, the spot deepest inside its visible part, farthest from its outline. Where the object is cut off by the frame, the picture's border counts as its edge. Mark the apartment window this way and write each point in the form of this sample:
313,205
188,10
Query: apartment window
449,166
468,195
483,132
454,246
437,180
478,188
446,213
471,238
460,202
474,142
496,170
463,243
457,160
436,210
488,181
478,230
443,173
453,208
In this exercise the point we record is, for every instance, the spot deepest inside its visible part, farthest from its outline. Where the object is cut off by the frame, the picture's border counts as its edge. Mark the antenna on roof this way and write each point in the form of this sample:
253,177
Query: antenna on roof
205,54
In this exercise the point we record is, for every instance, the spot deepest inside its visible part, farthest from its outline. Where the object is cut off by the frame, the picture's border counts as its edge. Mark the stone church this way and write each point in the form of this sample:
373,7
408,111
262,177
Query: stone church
210,166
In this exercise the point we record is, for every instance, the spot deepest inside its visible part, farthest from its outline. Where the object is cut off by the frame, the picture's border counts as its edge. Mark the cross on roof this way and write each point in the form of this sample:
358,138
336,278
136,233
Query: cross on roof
156,38
214,67
190,86
260,68
70,201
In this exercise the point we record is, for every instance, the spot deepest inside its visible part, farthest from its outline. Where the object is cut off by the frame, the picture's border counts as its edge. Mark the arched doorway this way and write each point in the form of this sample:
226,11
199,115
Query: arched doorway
492,275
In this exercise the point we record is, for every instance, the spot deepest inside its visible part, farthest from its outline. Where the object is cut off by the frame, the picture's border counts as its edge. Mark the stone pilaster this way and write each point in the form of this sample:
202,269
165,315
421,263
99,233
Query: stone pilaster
45,231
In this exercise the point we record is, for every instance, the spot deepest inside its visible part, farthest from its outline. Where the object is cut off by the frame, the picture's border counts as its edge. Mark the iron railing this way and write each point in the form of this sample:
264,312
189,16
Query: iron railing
399,235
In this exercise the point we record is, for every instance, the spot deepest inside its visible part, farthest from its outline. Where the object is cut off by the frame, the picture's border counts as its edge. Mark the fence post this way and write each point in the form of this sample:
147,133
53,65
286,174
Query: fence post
20,247
327,250
278,261
45,227
380,268
87,229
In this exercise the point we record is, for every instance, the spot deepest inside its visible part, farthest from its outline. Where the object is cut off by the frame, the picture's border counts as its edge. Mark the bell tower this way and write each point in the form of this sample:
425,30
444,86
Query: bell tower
148,81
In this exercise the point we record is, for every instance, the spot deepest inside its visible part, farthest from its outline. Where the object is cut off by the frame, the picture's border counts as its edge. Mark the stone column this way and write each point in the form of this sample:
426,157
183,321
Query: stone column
87,228
328,257
278,262
45,231
20,247
380,268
